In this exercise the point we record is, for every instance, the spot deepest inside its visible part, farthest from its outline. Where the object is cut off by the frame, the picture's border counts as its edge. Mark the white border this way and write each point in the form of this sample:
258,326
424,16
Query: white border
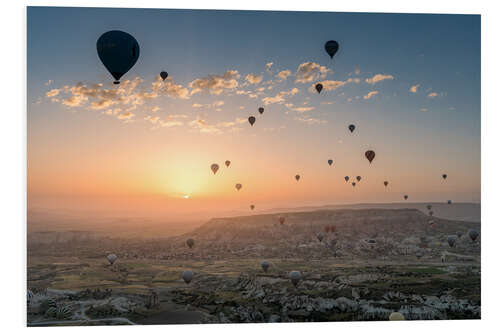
13,156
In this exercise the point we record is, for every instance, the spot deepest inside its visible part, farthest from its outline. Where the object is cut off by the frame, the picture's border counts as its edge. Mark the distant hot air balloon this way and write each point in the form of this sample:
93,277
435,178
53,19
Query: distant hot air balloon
386,183
295,277
261,110
352,128
190,243
214,167
473,234
460,234
444,176
449,202
163,75
429,207
353,184
370,155
265,266
358,178
396,316
118,52
252,207
227,163
320,236
452,240
282,220
187,276
251,120
238,186
331,47
297,177
346,178
431,213
111,258
406,197
330,162
319,87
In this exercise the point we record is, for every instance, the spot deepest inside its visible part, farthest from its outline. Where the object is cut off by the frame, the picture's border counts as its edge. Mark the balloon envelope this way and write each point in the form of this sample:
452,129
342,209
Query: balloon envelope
331,47
449,202
352,128
370,155
320,236
163,75
358,178
227,163
252,207
319,87
406,197
261,110
346,178
251,120
214,167
473,234
187,276
452,240
330,162
282,220
118,52
111,258
386,183
444,176
265,266
297,177
238,186
190,243
295,277
353,184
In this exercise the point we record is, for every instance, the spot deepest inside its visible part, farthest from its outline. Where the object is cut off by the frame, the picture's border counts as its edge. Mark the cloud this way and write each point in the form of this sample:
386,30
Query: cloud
112,112
280,97
304,109
424,109
379,77
254,79
310,71
127,115
155,109
215,84
328,85
370,94
310,121
268,67
218,103
284,74
414,89
432,94
52,93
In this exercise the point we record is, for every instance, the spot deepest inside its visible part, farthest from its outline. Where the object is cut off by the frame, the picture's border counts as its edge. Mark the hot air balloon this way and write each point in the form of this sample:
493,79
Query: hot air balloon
265,266
386,183
370,155
396,316
163,75
282,220
238,186
346,178
352,128
214,168
452,240
353,184
319,87
252,207
261,110
227,163
118,52
295,277
297,177
449,202
111,258
460,234
320,236
406,197
187,276
190,243
251,120
330,162
331,47
431,213
473,234
429,207
444,176
358,178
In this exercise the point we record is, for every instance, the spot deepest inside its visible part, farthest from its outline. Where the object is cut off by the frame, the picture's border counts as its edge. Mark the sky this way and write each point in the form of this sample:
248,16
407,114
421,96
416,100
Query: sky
410,84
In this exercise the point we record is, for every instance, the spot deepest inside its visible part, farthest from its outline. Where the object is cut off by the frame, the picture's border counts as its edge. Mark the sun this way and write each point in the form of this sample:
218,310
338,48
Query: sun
186,196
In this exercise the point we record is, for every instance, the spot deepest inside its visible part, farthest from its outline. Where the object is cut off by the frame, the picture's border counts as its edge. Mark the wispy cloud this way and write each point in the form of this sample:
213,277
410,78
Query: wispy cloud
433,95
215,84
370,94
414,89
310,71
284,74
378,78
253,78
280,97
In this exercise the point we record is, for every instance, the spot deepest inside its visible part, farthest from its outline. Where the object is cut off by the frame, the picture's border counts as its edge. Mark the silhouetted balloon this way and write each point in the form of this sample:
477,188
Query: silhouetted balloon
353,184
473,234
346,178
295,277
214,167
297,177
319,87
370,155
252,207
238,186
282,220
265,266
187,276
352,128
163,75
227,163
386,183
396,316
406,197
331,47
320,236
444,176
358,178
251,120
330,162
429,207
118,52
452,240
190,243
261,110
111,258
449,202
460,234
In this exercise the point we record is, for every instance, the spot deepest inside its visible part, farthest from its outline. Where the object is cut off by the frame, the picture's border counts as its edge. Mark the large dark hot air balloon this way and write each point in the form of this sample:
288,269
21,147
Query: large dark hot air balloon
214,167
227,163
295,277
370,155
282,220
261,110
320,236
319,87
406,197
330,162
251,120
444,176
111,258
352,128
190,243
452,240
238,186
346,178
353,184
473,234
252,207
187,276
118,52
358,178
331,47
386,183
297,177
163,75
265,266
449,202
429,207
